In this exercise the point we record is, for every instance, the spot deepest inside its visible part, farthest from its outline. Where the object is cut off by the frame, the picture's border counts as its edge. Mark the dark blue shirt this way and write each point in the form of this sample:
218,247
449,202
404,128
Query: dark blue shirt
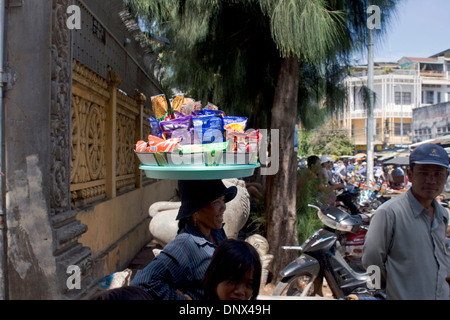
180,267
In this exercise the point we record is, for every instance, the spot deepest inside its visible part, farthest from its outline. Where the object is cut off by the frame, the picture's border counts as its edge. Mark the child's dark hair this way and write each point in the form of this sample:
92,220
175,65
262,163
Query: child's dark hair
231,260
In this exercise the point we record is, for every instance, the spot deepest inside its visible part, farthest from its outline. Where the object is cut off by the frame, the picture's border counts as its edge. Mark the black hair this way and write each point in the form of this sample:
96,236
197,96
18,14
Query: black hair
311,160
231,260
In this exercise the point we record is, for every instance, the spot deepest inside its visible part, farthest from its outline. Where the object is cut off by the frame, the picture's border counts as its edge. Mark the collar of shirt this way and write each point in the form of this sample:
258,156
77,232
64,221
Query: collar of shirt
200,238
418,208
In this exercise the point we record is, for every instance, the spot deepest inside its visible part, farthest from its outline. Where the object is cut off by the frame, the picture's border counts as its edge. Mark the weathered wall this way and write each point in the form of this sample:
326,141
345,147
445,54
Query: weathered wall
53,222
431,122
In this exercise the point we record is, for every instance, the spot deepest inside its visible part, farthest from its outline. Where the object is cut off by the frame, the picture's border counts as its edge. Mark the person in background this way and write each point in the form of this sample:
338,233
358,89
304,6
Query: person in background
234,272
177,272
406,238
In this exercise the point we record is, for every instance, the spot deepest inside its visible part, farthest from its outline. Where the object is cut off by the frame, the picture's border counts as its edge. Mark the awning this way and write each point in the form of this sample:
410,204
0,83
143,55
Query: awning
444,140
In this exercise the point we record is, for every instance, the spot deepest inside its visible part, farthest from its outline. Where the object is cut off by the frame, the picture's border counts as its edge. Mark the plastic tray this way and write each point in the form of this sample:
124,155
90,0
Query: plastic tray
199,172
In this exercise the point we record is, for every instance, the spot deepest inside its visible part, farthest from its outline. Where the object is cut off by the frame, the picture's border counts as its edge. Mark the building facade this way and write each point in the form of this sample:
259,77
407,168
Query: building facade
400,88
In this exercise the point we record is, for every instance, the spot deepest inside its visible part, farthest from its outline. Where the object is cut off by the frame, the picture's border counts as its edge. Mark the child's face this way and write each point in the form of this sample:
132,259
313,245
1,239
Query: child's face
236,290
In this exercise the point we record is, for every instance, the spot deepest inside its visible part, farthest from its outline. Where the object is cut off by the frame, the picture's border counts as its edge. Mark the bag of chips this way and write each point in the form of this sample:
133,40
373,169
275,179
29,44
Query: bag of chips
168,127
159,105
208,129
234,123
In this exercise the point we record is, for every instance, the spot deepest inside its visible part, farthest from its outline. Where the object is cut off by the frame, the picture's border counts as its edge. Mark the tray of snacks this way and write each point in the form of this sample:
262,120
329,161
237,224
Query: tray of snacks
193,172
191,142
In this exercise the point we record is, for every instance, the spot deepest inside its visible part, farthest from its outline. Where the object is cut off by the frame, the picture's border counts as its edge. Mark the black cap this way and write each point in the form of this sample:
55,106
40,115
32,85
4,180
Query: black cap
197,194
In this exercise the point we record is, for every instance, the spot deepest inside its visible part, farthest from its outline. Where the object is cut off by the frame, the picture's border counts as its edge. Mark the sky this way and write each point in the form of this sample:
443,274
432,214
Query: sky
419,29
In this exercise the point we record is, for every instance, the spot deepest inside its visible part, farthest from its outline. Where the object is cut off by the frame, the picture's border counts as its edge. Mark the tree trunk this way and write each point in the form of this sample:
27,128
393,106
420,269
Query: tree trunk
281,187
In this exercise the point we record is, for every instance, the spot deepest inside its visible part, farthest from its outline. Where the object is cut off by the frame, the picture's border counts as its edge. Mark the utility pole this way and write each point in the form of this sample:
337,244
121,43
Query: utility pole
370,127
373,21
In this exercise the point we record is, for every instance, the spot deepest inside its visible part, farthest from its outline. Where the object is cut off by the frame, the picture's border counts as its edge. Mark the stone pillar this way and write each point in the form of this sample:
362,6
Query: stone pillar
42,229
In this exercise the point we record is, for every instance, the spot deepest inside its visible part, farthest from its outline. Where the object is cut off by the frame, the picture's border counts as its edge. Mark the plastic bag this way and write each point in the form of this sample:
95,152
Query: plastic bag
168,127
208,129
159,105
235,123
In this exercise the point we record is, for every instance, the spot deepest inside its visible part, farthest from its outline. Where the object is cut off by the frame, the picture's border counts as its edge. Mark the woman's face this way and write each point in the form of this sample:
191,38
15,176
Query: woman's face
211,216
236,290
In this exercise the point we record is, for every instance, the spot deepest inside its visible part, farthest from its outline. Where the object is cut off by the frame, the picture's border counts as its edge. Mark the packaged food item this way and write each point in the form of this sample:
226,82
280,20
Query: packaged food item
186,135
189,105
211,106
177,102
141,146
156,144
192,148
243,142
159,105
154,124
234,123
208,112
168,127
208,129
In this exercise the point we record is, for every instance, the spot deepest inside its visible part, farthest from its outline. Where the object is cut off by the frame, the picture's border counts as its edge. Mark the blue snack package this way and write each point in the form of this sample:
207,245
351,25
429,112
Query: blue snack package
208,129
154,125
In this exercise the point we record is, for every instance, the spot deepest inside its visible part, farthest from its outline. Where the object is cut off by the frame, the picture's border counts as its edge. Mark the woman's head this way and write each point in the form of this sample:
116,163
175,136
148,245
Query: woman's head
203,199
234,272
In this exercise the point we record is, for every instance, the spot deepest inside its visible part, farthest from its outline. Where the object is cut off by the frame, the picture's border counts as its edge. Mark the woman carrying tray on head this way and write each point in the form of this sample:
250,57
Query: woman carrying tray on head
177,272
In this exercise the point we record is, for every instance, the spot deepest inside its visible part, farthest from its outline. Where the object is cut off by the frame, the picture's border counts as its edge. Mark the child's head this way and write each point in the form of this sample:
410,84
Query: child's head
234,272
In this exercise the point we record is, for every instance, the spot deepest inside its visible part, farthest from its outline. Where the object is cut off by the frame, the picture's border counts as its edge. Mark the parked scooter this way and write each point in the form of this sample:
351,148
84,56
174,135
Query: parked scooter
320,258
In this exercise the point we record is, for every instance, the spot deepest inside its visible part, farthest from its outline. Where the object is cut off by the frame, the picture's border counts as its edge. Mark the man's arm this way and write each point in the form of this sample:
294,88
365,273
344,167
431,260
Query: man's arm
378,241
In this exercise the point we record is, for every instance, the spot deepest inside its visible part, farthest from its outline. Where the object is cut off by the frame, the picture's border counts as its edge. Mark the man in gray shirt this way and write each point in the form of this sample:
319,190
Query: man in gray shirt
406,237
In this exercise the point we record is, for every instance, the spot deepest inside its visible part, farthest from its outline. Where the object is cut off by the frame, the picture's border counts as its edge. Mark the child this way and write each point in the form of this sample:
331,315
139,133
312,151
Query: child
234,272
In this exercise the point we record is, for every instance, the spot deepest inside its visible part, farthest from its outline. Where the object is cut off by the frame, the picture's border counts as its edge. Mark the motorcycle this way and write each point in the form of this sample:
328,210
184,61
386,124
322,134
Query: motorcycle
320,258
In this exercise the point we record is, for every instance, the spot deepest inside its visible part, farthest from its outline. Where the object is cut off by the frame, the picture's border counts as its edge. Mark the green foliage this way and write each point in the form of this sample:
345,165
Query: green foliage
292,31
307,192
325,141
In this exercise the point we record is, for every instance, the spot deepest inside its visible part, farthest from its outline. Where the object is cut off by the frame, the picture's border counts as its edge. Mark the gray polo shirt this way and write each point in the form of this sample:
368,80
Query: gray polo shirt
409,250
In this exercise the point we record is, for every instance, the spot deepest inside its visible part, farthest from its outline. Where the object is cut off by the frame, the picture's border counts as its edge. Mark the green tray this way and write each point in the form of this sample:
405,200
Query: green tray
199,172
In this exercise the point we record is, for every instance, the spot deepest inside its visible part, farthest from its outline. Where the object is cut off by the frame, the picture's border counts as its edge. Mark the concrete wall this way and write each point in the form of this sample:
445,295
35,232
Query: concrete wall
119,228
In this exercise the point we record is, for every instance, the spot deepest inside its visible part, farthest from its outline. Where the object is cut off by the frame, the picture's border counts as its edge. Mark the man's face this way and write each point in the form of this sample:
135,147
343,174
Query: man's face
428,180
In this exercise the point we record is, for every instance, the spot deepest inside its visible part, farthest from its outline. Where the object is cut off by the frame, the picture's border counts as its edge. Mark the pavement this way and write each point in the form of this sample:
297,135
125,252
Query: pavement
142,258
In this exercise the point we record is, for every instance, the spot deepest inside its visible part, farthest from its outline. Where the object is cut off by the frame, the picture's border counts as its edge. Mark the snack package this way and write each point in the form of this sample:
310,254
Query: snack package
189,105
154,124
159,105
177,102
243,142
235,123
192,148
211,106
208,112
168,127
186,136
208,129
141,146
156,144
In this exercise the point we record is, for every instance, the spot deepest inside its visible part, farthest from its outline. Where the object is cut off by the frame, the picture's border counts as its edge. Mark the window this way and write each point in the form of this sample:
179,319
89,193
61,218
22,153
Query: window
406,129
438,97
402,97
429,97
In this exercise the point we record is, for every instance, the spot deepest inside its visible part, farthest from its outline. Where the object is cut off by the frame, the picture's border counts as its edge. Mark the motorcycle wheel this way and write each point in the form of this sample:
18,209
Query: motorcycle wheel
294,286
